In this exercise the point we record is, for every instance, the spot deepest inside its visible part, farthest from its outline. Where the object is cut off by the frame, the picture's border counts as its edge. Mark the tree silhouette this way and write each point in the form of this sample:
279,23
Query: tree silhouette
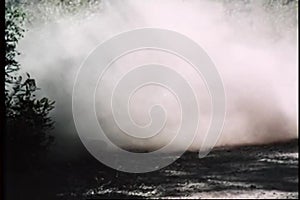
27,117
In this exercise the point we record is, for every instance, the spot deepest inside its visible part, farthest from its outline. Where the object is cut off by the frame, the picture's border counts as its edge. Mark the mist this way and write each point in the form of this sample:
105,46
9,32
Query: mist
253,45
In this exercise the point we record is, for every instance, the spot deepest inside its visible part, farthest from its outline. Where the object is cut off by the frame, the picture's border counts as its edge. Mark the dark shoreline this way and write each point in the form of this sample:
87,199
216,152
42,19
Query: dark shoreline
263,167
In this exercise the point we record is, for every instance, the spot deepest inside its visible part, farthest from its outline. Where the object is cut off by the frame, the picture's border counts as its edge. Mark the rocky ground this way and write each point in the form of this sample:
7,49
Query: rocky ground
268,171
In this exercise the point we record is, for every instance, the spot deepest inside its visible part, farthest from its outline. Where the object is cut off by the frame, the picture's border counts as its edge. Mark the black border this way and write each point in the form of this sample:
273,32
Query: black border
2,103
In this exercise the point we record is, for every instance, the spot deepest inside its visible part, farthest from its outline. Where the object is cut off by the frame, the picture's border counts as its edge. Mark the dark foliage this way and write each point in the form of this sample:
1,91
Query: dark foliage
27,117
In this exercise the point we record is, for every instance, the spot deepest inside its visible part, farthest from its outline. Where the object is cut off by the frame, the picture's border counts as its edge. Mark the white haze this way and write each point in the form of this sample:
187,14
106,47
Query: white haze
253,47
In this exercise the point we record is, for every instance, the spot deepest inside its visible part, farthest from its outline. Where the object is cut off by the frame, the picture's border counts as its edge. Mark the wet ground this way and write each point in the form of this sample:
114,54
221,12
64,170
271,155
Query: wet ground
269,171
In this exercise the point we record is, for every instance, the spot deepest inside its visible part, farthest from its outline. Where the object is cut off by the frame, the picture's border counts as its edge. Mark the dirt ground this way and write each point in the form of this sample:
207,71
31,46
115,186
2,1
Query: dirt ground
269,171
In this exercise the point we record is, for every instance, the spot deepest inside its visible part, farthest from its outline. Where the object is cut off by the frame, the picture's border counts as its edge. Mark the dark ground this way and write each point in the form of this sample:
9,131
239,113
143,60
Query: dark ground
269,171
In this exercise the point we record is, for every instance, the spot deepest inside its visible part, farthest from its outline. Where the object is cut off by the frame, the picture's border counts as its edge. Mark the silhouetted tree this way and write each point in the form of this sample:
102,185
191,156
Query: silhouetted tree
27,117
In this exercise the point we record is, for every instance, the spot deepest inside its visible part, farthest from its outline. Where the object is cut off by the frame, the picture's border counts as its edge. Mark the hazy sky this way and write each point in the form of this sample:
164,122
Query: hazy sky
253,46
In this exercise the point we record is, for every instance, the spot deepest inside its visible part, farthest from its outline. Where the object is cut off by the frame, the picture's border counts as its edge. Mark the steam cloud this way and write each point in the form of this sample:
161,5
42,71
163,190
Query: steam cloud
253,45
